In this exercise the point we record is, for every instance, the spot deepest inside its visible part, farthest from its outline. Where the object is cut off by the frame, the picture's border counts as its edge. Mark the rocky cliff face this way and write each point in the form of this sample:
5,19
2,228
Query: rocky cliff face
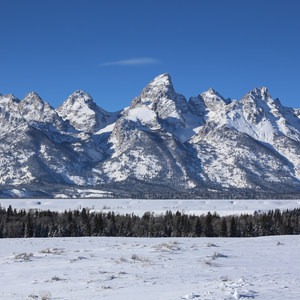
84,114
160,142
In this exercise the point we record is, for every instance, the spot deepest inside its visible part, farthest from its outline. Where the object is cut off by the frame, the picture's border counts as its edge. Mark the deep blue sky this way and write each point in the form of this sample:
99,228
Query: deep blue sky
113,48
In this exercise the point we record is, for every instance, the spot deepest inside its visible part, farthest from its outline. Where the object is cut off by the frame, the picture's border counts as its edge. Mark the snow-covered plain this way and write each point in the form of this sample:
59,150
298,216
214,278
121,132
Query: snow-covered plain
151,268
139,206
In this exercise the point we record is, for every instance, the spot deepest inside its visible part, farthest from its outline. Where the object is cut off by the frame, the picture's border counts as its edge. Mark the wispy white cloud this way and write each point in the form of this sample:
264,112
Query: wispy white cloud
138,61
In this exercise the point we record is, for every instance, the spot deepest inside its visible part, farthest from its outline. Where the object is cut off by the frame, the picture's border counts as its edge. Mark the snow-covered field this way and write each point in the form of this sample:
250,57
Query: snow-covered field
153,268
139,207
150,269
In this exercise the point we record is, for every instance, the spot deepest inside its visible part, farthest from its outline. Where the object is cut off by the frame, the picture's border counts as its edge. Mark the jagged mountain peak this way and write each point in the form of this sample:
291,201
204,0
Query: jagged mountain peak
259,102
80,92
260,94
81,97
9,98
161,102
10,116
212,91
161,86
212,99
213,94
34,109
77,102
33,98
84,114
34,95
162,79
261,90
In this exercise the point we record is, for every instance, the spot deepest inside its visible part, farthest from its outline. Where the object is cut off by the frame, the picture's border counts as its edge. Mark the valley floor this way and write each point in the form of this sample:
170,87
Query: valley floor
139,206
150,269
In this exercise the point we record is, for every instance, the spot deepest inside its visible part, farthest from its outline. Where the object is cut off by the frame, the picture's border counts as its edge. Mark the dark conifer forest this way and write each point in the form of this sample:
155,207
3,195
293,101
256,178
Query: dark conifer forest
37,223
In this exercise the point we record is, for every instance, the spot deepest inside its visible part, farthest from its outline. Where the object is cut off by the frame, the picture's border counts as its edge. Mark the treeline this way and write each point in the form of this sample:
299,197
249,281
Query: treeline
37,223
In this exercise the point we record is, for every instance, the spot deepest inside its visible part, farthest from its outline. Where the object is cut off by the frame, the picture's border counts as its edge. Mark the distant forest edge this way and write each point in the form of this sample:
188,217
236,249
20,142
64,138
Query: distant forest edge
140,191
38,223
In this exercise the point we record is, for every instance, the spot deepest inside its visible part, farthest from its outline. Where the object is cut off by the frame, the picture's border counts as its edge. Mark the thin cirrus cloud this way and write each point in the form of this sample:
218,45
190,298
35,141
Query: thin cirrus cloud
139,61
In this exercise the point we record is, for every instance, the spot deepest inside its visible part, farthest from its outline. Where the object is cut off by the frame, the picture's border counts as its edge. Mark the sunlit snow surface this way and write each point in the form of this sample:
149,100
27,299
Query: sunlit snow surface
139,206
153,268
150,269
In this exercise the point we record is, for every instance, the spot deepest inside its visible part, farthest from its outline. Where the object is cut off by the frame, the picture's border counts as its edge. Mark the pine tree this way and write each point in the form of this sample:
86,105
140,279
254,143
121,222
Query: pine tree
198,227
28,231
223,229
233,228
208,229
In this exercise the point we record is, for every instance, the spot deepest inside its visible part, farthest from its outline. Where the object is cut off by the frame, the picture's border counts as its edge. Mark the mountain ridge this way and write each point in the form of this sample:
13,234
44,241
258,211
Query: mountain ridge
161,142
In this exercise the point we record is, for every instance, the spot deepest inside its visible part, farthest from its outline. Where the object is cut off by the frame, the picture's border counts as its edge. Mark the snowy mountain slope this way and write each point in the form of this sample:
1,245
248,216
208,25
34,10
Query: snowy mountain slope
36,145
31,156
269,116
160,142
234,159
264,119
160,96
83,113
160,107
139,153
10,117
147,140
229,144
34,109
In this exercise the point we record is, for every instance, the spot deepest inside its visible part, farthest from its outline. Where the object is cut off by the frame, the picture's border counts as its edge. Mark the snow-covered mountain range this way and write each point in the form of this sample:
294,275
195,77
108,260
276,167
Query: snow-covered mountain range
161,142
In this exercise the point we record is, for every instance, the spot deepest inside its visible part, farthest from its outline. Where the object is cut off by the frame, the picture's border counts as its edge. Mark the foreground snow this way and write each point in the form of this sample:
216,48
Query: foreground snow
150,269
